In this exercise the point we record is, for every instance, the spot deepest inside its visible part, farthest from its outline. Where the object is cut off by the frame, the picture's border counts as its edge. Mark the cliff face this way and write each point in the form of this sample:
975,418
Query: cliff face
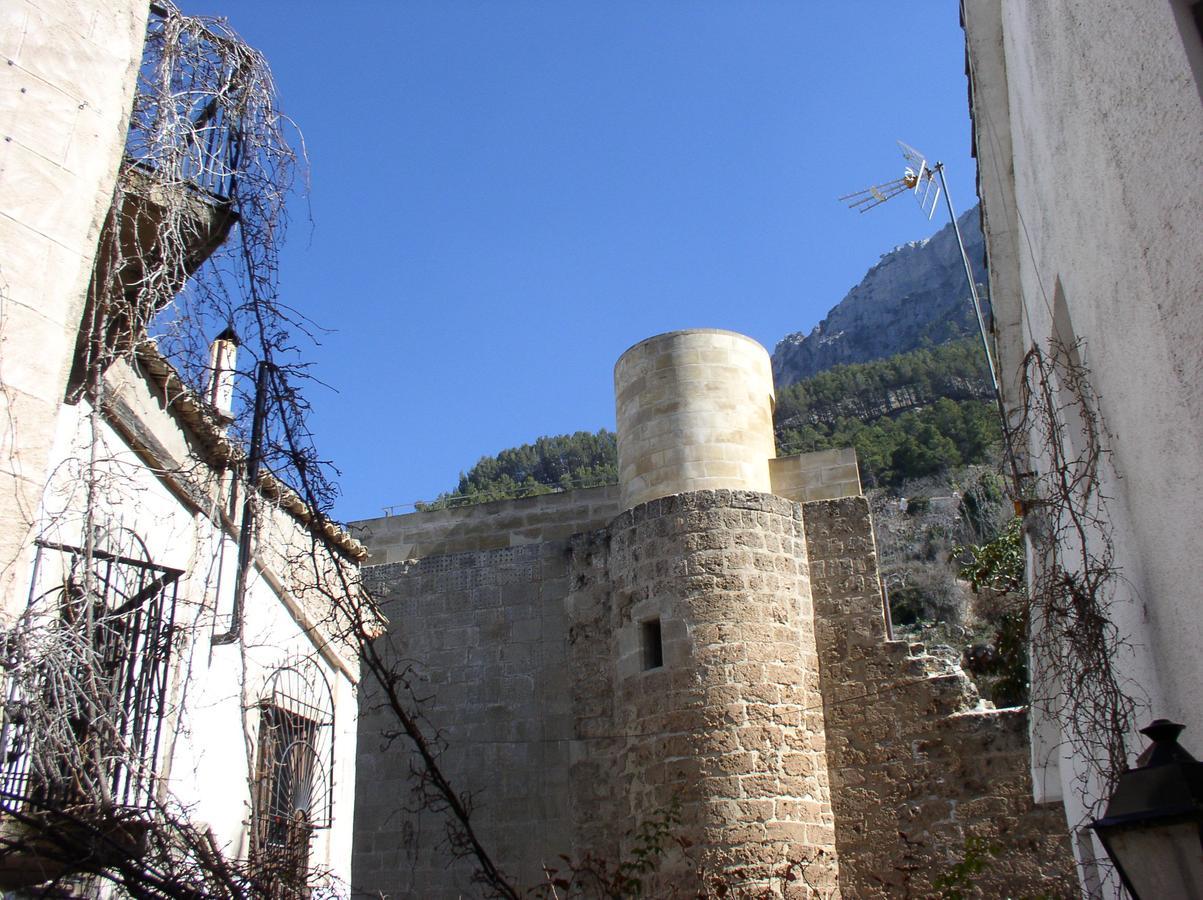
914,295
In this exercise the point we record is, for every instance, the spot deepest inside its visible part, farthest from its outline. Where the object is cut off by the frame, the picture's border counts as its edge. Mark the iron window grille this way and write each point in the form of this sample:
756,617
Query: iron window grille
87,682
293,786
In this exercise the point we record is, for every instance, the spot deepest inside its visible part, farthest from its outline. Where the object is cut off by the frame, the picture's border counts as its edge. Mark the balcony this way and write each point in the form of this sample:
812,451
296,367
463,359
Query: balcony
86,694
176,197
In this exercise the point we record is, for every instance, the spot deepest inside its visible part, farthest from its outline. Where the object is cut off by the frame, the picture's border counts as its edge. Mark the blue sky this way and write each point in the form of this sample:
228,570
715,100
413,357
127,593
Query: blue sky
507,194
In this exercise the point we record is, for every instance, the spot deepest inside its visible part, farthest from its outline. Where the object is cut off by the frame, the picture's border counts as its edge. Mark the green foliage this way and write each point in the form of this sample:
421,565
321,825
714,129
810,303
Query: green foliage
592,876
550,463
870,390
650,842
918,443
957,882
997,564
996,569
908,416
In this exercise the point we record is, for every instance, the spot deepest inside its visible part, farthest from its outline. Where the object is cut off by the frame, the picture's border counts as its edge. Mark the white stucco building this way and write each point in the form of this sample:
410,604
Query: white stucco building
1088,131
141,684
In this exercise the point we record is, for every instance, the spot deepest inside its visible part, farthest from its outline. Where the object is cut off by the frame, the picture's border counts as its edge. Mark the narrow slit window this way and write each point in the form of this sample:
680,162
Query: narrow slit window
653,645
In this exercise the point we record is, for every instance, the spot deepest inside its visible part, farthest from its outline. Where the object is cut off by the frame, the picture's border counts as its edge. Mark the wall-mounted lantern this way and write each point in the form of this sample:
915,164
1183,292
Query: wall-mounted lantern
1153,826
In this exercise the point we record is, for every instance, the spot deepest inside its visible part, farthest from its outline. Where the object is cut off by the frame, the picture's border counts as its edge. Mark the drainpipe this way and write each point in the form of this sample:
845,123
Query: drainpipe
251,491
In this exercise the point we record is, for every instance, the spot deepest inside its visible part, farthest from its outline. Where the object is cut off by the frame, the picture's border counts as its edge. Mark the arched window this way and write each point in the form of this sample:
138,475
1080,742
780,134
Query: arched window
293,783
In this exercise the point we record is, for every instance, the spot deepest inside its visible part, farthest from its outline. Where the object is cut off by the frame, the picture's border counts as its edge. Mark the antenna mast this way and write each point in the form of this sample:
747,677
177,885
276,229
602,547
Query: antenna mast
921,180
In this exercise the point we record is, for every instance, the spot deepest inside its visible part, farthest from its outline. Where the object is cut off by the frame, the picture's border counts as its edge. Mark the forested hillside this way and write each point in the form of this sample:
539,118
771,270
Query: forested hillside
909,416
866,391
582,459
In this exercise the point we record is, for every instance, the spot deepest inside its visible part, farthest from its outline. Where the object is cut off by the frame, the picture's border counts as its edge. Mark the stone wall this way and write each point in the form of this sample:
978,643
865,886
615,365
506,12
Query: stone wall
917,765
70,69
730,725
781,733
484,632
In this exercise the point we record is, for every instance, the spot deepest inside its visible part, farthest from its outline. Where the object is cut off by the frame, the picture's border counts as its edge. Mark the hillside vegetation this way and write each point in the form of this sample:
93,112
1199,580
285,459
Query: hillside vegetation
583,459
909,416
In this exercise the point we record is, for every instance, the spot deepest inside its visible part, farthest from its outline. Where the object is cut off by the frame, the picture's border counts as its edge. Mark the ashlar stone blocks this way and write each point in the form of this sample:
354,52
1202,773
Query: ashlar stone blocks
695,412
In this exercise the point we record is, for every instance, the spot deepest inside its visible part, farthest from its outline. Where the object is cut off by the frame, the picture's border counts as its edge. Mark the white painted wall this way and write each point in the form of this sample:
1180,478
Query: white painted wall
207,759
67,78
1089,137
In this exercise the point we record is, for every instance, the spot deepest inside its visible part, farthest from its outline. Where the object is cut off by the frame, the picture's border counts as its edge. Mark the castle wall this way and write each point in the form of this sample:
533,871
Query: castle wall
917,767
478,601
694,650
531,658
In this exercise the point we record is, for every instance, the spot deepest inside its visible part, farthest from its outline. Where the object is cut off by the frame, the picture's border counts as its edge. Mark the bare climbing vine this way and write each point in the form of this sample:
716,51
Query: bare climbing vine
190,248
1075,645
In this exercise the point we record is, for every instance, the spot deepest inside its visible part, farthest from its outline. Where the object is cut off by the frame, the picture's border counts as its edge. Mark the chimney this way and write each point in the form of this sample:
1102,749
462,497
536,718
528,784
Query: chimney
223,356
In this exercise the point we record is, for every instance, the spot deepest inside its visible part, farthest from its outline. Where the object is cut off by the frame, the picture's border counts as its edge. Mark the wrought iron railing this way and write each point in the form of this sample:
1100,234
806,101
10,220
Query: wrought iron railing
87,684
181,127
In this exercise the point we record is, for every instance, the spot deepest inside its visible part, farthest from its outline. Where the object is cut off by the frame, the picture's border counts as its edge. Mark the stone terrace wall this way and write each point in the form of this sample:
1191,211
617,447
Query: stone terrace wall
916,767
523,621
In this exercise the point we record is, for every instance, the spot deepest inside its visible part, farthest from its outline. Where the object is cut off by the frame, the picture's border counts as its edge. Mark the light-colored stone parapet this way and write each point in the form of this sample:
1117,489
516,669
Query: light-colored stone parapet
695,412
822,475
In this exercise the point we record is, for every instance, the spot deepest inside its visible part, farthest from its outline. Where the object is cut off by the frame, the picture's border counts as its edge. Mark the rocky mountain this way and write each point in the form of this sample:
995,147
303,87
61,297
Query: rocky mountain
915,295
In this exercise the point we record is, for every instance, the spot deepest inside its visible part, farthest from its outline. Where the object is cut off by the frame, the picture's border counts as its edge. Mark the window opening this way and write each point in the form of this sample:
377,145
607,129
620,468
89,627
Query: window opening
293,784
653,645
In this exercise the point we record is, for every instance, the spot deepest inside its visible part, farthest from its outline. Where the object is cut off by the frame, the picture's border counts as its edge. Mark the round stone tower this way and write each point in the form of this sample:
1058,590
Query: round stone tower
695,412
717,672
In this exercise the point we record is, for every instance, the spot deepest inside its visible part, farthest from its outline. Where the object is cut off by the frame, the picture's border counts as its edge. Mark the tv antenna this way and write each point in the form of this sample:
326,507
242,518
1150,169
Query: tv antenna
918,178
921,180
